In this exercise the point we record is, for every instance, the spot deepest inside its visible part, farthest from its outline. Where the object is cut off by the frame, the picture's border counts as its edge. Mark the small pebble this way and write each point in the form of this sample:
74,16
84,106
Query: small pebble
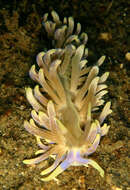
127,56
105,36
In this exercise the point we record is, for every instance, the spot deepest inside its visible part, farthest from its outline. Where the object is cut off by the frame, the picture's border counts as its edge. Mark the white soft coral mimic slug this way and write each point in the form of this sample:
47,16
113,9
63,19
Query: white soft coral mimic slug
65,101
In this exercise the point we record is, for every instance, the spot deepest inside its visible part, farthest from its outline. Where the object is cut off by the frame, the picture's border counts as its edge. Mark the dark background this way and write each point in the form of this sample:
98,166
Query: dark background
22,36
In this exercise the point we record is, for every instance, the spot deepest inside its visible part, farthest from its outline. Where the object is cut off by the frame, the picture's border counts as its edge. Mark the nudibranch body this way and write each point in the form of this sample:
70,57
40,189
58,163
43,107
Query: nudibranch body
64,102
